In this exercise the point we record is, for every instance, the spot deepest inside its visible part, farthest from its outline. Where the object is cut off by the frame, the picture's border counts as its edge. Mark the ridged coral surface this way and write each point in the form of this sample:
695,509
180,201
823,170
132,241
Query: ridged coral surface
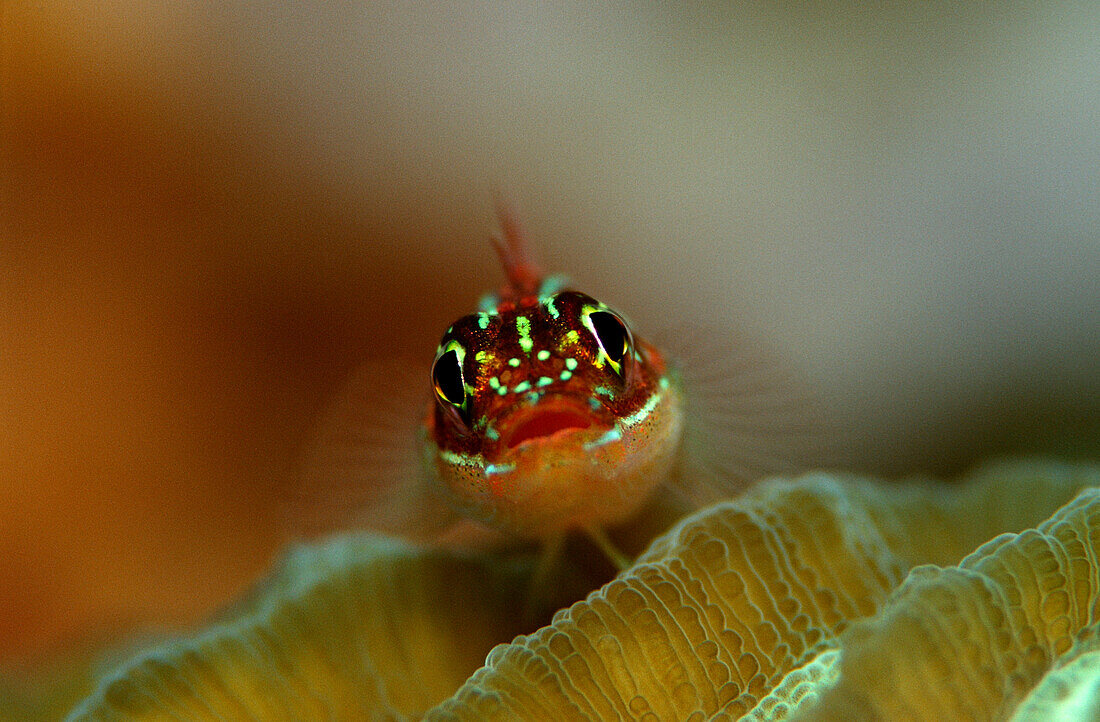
970,642
803,598
359,628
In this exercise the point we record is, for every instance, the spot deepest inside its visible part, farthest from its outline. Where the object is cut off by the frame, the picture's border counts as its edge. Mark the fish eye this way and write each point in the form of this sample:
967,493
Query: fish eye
613,336
447,378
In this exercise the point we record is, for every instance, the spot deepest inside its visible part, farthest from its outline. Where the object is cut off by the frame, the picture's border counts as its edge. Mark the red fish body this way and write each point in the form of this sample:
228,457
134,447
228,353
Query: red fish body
550,414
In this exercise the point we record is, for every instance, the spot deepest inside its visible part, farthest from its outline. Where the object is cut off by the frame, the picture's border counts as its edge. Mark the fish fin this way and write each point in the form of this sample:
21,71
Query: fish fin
523,276
362,466
603,542
747,415
541,583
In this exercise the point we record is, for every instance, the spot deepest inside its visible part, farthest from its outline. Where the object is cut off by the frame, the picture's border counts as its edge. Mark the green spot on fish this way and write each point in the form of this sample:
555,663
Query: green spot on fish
611,436
455,459
523,328
566,375
551,285
640,415
488,303
483,320
522,386
543,355
571,364
513,362
545,381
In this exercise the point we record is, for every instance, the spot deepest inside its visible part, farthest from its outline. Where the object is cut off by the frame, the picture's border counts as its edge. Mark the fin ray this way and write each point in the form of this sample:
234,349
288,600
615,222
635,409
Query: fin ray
362,467
747,415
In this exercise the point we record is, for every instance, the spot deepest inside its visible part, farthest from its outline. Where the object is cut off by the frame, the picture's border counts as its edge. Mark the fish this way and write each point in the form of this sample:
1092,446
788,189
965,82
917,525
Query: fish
549,413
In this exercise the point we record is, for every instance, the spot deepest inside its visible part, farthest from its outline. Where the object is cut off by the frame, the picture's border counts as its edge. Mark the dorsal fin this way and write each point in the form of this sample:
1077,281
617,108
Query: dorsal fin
523,277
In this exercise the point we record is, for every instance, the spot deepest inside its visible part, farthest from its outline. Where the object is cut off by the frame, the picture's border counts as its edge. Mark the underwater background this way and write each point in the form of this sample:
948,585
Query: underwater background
212,215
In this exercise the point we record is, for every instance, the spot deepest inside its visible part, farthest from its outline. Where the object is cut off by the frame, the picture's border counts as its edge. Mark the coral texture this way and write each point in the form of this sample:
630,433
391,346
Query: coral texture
823,597
358,628
969,642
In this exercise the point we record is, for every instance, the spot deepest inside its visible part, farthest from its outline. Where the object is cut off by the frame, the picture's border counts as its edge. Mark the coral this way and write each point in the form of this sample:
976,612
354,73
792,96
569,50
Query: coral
970,641
823,597
1070,691
359,628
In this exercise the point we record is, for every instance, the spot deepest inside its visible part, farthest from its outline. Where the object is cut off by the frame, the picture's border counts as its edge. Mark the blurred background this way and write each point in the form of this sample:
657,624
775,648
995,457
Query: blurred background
212,214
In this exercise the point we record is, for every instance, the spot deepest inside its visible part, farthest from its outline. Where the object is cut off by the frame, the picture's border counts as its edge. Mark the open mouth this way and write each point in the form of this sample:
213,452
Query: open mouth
542,423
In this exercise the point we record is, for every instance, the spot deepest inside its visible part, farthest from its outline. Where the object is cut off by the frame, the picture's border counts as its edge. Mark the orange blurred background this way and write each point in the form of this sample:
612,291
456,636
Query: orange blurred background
210,215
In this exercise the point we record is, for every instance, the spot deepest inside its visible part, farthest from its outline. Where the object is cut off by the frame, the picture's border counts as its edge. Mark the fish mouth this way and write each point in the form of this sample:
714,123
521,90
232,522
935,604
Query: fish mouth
550,418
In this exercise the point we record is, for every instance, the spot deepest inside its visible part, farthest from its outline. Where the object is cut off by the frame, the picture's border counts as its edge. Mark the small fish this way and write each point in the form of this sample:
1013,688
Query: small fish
550,414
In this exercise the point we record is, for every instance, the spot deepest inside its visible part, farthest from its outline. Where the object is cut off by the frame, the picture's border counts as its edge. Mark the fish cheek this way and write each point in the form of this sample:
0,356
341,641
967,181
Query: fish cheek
462,482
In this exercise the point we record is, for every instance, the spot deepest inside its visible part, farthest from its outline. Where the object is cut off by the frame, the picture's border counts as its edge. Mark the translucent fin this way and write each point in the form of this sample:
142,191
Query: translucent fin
362,468
610,550
747,416
523,276
540,585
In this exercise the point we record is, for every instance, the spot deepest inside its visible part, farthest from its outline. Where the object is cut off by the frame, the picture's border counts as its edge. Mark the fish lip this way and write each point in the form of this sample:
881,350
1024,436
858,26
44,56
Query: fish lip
550,418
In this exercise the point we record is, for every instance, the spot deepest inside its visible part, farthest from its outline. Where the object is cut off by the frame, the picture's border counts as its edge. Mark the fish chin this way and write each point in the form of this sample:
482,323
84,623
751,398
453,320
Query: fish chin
561,465
563,481
571,478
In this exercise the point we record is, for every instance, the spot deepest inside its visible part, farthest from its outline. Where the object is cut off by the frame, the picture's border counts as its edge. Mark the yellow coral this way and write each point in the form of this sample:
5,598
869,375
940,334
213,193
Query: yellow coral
969,642
798,599
359,628
1070,691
